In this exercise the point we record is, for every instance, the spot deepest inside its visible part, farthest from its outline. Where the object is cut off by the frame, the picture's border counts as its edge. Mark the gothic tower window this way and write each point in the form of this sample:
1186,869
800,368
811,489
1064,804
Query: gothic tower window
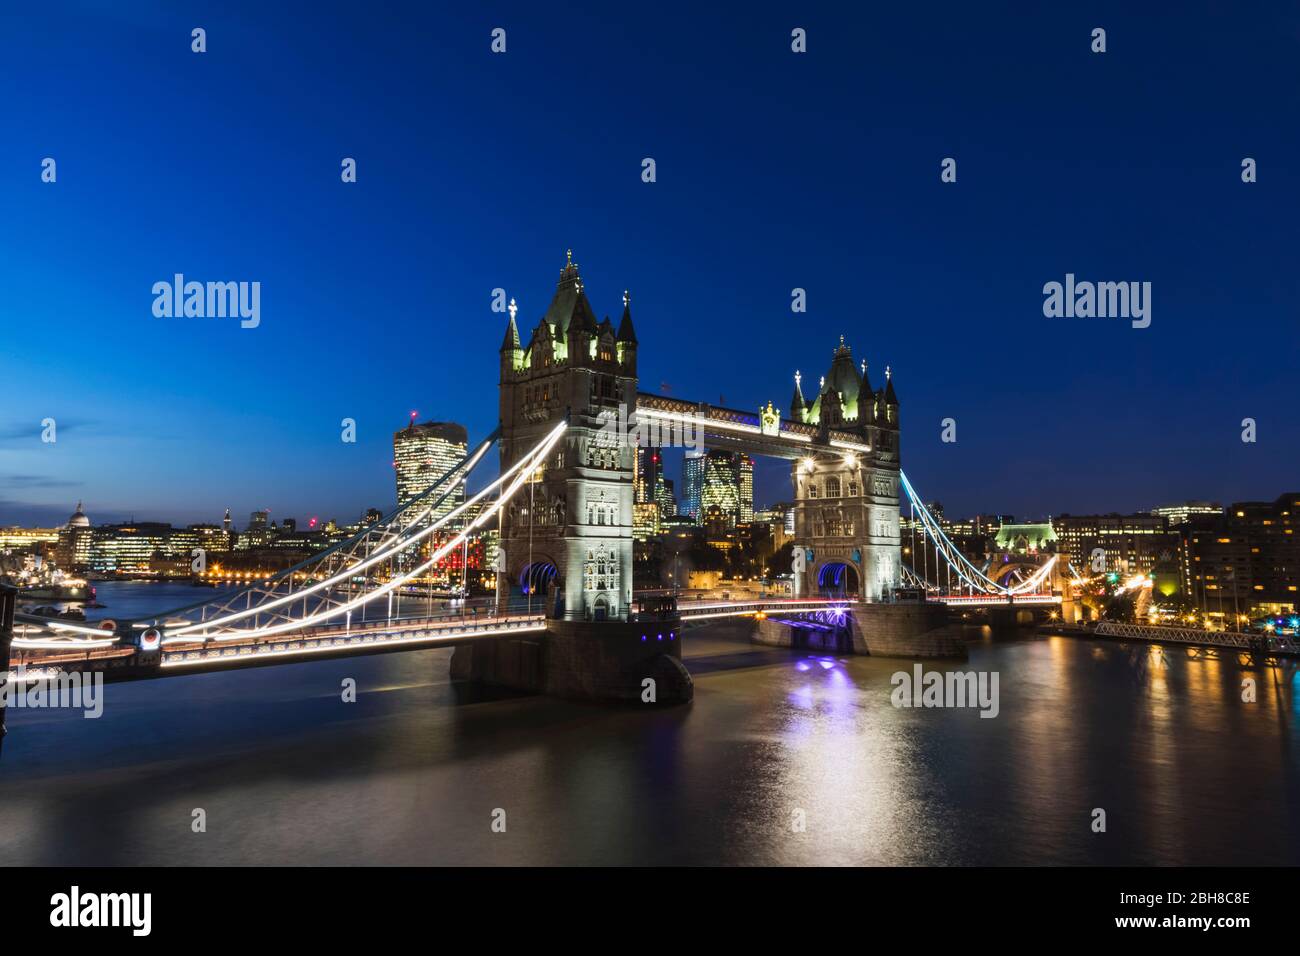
600,571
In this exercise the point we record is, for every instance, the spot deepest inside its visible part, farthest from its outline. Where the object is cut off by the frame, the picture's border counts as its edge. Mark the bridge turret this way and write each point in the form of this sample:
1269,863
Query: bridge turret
582,331
891,400
627,337
798,408
511,352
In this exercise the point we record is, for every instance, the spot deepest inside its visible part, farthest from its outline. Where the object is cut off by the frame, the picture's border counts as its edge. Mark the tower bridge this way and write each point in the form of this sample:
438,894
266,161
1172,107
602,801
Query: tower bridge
565,618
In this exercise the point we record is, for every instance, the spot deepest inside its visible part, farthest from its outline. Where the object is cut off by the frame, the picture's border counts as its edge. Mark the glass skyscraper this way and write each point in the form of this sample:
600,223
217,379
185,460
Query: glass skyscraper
692,483
723,480
422,454
745,478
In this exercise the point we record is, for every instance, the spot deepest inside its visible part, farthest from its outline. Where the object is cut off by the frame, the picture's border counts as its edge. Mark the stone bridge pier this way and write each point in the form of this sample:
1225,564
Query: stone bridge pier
587,660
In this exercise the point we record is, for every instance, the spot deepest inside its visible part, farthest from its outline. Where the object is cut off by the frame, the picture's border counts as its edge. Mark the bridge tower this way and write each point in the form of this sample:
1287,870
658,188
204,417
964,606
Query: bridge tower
846,488
568,534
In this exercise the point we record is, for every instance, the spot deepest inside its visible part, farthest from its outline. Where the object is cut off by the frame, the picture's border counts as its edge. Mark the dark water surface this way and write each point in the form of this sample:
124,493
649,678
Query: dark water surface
412,772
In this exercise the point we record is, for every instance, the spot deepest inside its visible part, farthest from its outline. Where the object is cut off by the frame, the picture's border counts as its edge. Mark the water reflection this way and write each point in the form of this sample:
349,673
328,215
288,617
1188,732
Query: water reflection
784,757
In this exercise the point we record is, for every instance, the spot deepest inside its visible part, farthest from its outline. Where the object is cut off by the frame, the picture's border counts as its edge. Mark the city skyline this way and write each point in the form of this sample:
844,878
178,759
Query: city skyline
307,518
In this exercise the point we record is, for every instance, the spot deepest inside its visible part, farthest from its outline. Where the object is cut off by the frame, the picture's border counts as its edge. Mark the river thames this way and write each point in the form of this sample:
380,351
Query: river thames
416,769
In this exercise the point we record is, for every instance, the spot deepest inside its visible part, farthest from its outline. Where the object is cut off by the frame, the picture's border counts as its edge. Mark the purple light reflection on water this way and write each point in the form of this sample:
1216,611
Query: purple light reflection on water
802,697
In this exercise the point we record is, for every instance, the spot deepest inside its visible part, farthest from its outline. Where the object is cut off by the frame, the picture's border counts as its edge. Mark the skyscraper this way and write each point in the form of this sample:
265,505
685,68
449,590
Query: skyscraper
422,454
728,485
664,496
745,476
692,483
649,471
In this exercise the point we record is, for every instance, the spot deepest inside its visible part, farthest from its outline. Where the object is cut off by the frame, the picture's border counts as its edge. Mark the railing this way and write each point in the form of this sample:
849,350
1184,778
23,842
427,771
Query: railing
1191,635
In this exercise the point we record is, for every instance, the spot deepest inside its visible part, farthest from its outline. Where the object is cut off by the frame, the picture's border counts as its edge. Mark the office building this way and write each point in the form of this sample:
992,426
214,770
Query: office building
423,453
1184,512
1115,543
1244,561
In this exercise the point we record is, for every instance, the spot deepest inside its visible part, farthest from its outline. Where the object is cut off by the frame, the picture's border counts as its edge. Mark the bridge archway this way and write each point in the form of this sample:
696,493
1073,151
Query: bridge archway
838,579
535,578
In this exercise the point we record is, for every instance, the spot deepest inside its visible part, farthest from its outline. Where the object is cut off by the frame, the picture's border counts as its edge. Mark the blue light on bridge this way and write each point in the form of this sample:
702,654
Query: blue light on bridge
537,576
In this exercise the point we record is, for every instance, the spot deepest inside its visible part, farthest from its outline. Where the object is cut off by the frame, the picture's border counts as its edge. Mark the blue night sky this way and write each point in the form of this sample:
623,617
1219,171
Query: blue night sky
775,170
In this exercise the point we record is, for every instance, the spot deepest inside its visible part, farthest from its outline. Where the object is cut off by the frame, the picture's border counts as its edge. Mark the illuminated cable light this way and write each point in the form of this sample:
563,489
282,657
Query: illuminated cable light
976,579
399,544
393,583
51,644
467,463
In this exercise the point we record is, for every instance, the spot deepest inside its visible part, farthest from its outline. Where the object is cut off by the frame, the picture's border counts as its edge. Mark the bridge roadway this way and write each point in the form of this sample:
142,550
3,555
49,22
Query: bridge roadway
178,655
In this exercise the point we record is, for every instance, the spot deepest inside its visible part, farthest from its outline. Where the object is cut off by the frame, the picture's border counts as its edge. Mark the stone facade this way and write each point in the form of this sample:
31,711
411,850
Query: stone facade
846,498
576,516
